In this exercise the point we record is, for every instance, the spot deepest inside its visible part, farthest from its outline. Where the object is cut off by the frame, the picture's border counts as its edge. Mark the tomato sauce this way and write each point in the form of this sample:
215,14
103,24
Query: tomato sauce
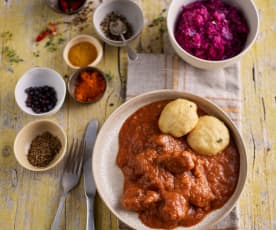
166,182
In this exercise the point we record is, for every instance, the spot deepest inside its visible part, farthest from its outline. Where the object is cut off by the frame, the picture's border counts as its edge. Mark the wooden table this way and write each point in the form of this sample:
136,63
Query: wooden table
29,200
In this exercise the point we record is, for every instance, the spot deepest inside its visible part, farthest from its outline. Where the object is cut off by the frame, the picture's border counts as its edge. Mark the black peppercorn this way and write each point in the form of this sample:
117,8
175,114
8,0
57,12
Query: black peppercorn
41,99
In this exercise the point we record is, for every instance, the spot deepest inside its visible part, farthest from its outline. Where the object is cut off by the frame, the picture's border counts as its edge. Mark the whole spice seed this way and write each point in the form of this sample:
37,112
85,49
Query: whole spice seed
43,149
113,17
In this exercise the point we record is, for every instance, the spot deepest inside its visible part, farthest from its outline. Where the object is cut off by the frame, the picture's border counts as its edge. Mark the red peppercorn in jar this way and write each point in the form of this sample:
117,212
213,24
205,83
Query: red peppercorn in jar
69,6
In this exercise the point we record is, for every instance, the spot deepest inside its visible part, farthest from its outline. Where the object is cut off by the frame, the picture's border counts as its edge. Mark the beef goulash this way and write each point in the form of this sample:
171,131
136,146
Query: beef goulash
166,182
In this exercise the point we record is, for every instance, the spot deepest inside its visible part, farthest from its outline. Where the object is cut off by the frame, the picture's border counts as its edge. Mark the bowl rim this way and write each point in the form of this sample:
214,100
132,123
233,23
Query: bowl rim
224,61
83,38
59,102
21,132
108,40
242,177
76,74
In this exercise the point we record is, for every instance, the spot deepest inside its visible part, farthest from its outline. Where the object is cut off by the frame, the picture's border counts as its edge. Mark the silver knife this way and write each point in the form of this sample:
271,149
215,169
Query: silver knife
89,184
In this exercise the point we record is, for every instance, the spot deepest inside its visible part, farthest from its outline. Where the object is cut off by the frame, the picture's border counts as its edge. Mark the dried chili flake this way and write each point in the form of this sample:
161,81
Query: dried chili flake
51,29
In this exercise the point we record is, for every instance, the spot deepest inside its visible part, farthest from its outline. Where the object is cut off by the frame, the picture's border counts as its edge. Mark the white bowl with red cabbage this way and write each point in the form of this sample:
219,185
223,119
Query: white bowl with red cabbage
212,34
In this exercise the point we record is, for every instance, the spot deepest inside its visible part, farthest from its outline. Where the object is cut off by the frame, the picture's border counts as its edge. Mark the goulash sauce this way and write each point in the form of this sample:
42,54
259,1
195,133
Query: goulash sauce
166,182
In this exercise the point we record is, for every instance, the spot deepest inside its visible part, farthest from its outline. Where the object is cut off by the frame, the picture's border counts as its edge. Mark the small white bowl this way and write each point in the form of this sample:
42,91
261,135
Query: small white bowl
40,76
250,12
83,38
25,136
128,9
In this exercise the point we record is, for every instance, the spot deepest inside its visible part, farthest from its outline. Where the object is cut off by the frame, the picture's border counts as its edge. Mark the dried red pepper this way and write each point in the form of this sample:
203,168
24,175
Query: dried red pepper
51,29
42,35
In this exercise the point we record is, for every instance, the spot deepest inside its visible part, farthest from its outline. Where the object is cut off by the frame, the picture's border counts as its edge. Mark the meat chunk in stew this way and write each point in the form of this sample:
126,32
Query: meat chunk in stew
136,199
176,162
200,194
175,207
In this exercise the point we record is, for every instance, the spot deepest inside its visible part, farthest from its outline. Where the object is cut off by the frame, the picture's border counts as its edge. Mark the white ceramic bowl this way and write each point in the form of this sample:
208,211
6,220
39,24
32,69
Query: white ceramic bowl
40,76
24,139
129,9
109,177
251,14
83,38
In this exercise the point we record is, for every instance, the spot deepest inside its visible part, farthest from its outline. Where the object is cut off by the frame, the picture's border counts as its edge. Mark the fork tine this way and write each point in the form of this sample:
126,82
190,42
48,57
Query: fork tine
70,155
79,166
74,156
78,157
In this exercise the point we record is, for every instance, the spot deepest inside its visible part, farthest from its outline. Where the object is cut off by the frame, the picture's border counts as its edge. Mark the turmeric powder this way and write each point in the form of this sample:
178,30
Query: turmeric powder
82,54
90,86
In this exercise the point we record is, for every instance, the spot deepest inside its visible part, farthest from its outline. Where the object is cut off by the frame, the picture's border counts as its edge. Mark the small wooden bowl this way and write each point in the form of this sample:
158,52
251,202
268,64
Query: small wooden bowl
71,85
28,133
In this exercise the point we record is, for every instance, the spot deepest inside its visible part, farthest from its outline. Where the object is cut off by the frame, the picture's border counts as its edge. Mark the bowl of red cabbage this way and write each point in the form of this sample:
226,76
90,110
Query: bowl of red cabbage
212,34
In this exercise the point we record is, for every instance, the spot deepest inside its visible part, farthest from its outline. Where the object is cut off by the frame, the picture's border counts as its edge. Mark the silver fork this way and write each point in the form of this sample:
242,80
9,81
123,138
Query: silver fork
71,175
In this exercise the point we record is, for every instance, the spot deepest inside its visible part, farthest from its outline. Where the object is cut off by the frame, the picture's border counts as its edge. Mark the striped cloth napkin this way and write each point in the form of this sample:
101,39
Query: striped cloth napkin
159,71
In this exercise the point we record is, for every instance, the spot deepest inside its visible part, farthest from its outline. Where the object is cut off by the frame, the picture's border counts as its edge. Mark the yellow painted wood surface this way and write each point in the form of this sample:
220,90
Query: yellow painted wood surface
29,200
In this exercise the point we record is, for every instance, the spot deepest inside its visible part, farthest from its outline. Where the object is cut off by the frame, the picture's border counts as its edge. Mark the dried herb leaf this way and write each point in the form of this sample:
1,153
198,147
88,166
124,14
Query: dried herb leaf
219,140
11,56
109,76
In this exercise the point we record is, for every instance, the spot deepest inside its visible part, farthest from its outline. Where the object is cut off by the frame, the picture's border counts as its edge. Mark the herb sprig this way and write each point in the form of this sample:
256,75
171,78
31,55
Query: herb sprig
159,22
109,76
9,55
52,44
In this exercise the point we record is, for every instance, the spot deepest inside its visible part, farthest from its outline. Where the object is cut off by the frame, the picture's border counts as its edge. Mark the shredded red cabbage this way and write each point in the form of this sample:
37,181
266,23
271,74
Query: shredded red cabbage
211,30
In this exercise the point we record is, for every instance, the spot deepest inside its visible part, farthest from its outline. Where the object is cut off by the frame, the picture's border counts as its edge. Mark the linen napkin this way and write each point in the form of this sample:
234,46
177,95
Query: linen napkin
159,71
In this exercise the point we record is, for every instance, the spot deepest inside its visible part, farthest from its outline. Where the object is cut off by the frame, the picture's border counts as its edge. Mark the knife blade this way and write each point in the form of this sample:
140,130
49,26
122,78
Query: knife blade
89,184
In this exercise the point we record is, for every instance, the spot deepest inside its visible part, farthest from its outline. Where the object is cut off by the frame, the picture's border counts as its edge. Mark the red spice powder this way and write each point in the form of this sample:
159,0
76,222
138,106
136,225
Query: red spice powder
90,86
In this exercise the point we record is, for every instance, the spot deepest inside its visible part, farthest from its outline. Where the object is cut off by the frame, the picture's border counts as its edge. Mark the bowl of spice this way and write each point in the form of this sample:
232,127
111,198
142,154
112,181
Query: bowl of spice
40,145
66,6
87,85
127,12
40,91
83,50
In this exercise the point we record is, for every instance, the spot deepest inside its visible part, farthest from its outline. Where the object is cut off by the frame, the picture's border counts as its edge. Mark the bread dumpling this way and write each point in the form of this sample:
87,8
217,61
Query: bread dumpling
209,137
178,117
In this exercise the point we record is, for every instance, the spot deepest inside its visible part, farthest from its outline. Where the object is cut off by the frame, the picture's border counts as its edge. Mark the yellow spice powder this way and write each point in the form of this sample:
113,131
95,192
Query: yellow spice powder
82,54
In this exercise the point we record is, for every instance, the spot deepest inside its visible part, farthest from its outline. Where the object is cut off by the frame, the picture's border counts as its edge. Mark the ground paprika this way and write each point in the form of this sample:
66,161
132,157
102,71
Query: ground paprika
90,86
